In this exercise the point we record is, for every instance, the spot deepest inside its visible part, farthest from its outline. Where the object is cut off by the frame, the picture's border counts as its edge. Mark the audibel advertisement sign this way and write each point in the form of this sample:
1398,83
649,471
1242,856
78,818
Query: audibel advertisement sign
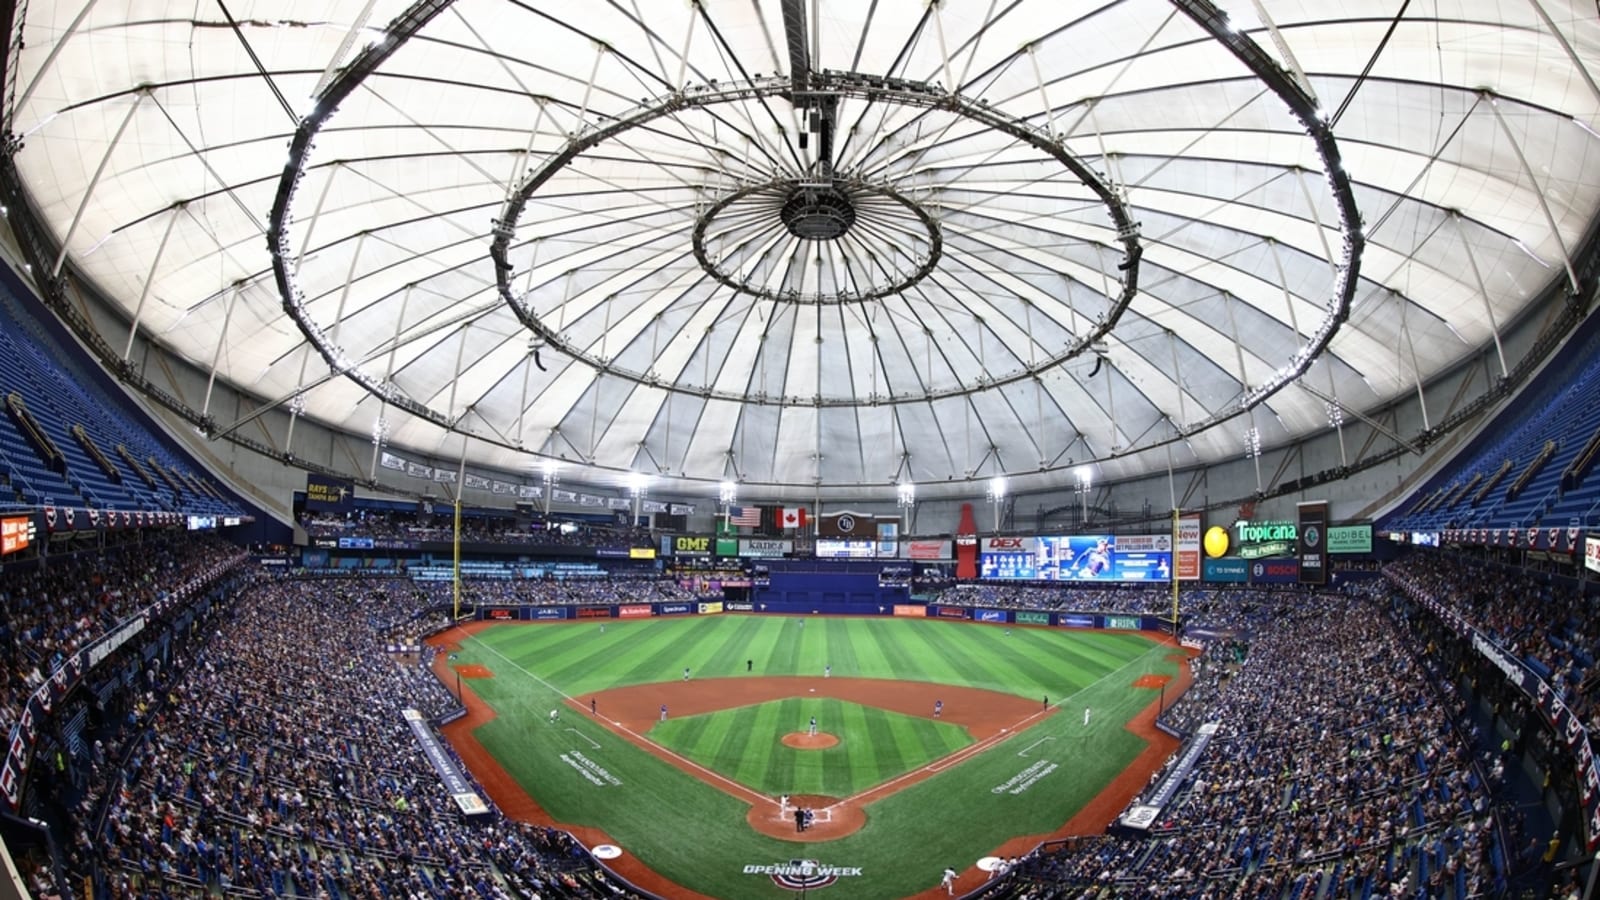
1349,538
1312,542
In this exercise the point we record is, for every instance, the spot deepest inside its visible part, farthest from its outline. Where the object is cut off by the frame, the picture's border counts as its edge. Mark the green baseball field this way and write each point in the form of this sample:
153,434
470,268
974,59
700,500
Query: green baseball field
689,742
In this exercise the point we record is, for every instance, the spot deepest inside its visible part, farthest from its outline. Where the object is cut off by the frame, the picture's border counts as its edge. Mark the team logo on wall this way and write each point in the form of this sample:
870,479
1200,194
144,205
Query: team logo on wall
1313,536
803,874
846,523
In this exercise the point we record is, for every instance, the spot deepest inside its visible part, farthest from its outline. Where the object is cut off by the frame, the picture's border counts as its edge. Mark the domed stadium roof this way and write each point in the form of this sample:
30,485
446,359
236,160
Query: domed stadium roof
803,243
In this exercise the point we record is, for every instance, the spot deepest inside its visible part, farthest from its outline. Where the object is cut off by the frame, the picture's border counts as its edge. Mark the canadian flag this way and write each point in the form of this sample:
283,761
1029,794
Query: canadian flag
793,517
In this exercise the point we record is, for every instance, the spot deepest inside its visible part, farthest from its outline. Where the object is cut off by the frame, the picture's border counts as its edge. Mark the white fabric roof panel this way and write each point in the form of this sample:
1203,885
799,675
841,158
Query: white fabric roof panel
793,359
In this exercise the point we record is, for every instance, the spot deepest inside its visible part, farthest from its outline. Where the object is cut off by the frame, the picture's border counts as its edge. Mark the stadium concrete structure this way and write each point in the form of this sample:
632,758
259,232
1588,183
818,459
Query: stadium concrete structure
1074,265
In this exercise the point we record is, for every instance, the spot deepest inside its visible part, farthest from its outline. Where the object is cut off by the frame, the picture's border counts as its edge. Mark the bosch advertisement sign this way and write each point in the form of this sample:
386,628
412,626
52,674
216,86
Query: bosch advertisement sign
1275,571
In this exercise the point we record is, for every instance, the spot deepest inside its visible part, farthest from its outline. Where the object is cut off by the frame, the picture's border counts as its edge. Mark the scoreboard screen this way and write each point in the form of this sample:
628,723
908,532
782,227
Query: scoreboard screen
1130,558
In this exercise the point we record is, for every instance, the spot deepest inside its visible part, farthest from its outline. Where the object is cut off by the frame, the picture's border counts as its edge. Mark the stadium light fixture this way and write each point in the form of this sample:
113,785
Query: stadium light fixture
728,493
905,494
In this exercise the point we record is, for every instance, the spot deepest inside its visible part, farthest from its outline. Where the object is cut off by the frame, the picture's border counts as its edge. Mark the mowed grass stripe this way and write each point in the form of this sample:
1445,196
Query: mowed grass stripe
737,634
1016,660
660,654
954,645
758,749
901,662
871,660
840,653
839,770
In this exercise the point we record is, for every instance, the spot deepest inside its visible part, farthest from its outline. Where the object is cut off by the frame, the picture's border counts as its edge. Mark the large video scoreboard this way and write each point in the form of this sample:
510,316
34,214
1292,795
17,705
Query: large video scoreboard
1101,557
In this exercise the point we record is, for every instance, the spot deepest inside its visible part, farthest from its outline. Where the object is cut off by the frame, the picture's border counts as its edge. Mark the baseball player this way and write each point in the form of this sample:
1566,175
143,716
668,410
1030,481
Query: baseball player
938,707
663,712
827,671
1086,717
685,673
949,882
813,731
554,715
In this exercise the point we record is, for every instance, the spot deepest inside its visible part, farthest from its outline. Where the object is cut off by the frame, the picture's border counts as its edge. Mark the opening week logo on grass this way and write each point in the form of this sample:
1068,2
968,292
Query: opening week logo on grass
803,874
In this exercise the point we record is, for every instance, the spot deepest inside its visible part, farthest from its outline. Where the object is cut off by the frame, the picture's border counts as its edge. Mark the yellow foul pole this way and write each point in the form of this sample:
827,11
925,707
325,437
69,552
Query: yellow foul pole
1174,569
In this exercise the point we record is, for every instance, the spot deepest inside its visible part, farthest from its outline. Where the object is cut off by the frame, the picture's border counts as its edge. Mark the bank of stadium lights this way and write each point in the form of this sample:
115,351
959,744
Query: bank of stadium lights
905,494
1252,442
297,403
638,484
550,473
1335,415
997,496
727,493
380,432
1085,479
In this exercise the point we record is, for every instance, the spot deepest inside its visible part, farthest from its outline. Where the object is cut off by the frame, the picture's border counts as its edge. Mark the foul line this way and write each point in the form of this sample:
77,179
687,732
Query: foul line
738,789
993,740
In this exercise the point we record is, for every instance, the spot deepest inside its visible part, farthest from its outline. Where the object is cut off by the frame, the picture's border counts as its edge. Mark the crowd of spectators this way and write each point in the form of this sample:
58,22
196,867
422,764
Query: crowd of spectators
1554,628
59,605
560,592
417,526
276,761
1341,767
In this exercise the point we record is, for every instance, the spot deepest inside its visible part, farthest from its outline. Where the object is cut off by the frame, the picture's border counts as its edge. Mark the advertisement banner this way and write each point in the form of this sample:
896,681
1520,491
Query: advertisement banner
726,546
691,546
594,612
1029,617
1129,623
952,612
1350,539
1591,553
832,549
673,609
847,525
1229,570
634,611
764,548
16,534
988,615
1275,571
909,610
1311,542
710,609
500,613
641,553
324,493
1190,527
931,550
1008,545
549,612
889,538
739,607
1074,620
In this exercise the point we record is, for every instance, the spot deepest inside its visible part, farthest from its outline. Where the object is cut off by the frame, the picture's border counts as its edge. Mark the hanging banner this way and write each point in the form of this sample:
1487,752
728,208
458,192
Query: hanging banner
478,481
389,461
561,496
1311,542
1190,527
532,491
418,470
652,506
682,509
618,503
448,476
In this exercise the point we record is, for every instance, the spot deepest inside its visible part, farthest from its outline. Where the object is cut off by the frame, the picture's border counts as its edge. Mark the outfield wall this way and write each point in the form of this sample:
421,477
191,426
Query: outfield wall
902,609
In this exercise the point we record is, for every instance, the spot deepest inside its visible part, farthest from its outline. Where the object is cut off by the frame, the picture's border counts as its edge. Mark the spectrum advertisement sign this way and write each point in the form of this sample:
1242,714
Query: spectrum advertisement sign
1137,557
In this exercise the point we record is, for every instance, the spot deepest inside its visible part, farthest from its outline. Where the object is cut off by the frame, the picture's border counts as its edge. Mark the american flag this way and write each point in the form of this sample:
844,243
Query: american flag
745,516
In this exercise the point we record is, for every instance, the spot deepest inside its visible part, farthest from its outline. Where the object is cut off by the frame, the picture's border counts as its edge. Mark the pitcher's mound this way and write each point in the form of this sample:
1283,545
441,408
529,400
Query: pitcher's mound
799,740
